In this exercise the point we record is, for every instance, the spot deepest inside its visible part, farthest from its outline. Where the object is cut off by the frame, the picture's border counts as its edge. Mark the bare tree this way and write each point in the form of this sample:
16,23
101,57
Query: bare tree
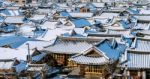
110,68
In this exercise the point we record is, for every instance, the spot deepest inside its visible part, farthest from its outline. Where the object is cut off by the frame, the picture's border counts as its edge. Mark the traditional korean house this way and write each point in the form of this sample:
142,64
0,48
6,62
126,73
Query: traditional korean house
94,61
135,61
11,68
65,47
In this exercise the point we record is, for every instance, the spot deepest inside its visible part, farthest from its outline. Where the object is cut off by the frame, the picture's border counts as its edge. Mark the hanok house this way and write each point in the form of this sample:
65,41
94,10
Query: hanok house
135,61
11,68
100,60
65,47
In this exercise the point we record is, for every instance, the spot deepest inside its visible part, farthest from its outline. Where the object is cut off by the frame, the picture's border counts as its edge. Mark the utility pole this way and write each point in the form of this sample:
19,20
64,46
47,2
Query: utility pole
29,59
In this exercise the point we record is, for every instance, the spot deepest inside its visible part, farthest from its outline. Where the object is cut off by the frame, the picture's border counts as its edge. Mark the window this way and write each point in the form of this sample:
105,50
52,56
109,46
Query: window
95,69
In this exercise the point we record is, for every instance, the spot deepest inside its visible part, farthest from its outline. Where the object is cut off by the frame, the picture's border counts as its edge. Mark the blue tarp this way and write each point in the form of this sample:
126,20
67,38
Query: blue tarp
112,52
80,23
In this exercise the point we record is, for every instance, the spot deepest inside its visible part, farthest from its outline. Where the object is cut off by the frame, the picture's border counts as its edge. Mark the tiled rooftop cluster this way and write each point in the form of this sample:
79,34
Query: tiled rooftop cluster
50,36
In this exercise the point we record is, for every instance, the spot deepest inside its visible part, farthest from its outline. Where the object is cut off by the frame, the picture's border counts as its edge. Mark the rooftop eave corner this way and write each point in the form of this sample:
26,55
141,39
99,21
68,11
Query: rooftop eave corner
133,46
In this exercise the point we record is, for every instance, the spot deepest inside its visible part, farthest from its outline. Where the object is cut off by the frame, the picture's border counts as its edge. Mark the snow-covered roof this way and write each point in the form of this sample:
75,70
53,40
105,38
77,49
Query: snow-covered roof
118,32
142,11
38,17
14,20
142,17
51,34
144,26
140,45
36,67
12,8
98,5
38,57
81,15
13,41
43,11
35,44
111,48
80,23
89,60
49,25
137,60
19,54
76,32
107,15
133,10
1,19
71,45
7,12
81,5
68,47
6,64
20,67
108,0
